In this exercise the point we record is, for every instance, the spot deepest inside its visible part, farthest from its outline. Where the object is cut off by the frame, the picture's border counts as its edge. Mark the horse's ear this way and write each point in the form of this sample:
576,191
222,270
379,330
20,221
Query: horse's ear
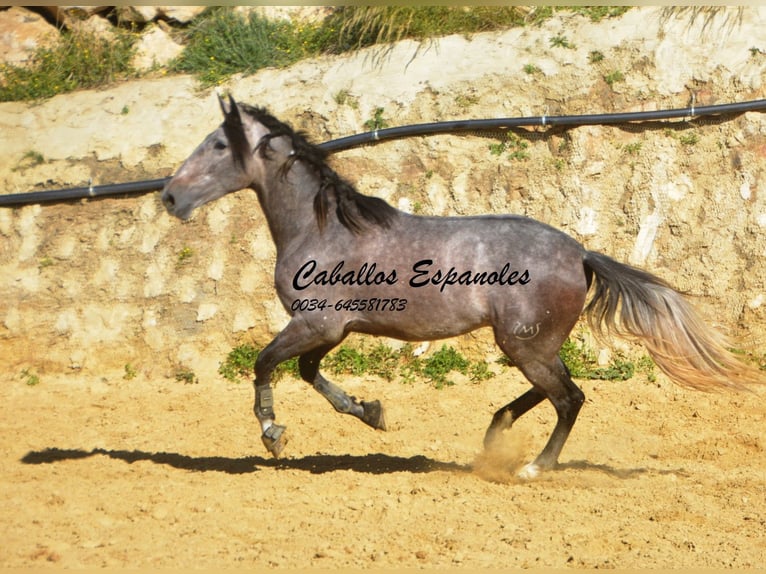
223,105
235,131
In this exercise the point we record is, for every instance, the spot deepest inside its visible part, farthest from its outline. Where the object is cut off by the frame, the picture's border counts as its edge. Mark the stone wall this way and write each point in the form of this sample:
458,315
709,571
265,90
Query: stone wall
90,287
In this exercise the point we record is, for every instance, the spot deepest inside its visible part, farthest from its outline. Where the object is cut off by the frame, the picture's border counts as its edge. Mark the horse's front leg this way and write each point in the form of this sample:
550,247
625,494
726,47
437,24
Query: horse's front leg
369,412
295,339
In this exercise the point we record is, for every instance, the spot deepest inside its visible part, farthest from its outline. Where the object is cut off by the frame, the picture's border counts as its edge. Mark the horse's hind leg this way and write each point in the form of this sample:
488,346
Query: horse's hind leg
510,413
370,412
552,380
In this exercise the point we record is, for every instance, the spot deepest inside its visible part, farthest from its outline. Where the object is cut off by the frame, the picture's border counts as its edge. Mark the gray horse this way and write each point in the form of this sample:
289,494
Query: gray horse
347,262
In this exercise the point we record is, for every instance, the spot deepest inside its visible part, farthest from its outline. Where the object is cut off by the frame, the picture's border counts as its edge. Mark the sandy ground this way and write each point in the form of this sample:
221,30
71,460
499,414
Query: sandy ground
150,473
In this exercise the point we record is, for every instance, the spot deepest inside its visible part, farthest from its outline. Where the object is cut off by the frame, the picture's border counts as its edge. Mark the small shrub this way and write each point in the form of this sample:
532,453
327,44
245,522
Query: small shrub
78,60
514,145
222,42
595,57
613,77
531,69
187,377
31,379
240,364
377,122
561,42
130,372
441,363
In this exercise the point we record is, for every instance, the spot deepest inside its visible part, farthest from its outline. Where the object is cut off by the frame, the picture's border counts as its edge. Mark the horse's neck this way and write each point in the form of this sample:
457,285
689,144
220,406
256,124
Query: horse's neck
288,204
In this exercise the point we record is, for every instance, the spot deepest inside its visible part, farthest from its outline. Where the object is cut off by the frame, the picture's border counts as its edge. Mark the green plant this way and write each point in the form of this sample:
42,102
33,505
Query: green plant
187,377
344,97
240,363
45,262
356,27
377,122
646,366
561,42
632,148
595,57
466,100
531,69
78,60
221,42
130,372
613,77
689,139
513,144
441,363
582,363
185,255
598,13
30,378
381,361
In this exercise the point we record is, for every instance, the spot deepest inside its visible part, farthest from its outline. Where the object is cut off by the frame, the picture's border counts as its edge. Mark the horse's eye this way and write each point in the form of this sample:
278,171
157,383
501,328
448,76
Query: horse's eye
220,145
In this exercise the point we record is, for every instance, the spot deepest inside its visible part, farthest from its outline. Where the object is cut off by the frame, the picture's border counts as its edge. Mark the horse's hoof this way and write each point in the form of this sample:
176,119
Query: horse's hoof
274,439
374,414
529,471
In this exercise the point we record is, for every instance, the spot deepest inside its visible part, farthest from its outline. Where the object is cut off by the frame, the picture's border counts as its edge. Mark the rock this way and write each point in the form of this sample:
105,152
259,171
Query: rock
155,48
22,33
95,25
69,16
137,14
311,14
180,14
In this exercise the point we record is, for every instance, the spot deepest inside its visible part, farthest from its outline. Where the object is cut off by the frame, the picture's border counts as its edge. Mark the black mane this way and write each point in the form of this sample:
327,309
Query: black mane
353,209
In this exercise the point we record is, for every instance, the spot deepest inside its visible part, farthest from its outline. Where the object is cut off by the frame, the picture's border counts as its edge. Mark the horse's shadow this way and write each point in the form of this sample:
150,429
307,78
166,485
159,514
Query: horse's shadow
375,463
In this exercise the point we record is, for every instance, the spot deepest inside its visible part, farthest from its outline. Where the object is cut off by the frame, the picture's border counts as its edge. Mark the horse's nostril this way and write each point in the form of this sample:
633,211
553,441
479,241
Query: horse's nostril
170,200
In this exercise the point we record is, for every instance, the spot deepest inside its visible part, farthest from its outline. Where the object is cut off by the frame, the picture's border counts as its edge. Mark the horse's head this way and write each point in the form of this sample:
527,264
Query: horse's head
221,164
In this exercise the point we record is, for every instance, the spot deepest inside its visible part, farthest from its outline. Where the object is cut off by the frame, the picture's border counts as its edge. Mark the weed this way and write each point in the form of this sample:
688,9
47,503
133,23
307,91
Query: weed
45,262
240,363
185,255
381,361
561,42
513,144
187,377
595,57
441,363
613,77
598,13
479,371
377,122
344,97
531,69
466,100
347,361
360,26
646,366
689,139
632,148
78,60
222,42
582,364
30,378
130,372
125,110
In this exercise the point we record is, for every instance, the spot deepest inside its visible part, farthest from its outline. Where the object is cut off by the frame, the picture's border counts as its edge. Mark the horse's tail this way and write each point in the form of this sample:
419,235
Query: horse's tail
636,305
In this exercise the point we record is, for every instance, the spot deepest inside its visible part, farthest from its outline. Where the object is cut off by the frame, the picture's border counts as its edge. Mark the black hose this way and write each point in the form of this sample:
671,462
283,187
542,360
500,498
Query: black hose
375,136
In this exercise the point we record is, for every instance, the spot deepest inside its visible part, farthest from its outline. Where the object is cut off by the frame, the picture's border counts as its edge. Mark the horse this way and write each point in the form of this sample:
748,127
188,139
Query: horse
348,262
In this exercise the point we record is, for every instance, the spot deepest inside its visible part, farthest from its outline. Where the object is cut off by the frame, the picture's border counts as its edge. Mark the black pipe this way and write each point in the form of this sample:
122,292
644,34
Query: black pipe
375,136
